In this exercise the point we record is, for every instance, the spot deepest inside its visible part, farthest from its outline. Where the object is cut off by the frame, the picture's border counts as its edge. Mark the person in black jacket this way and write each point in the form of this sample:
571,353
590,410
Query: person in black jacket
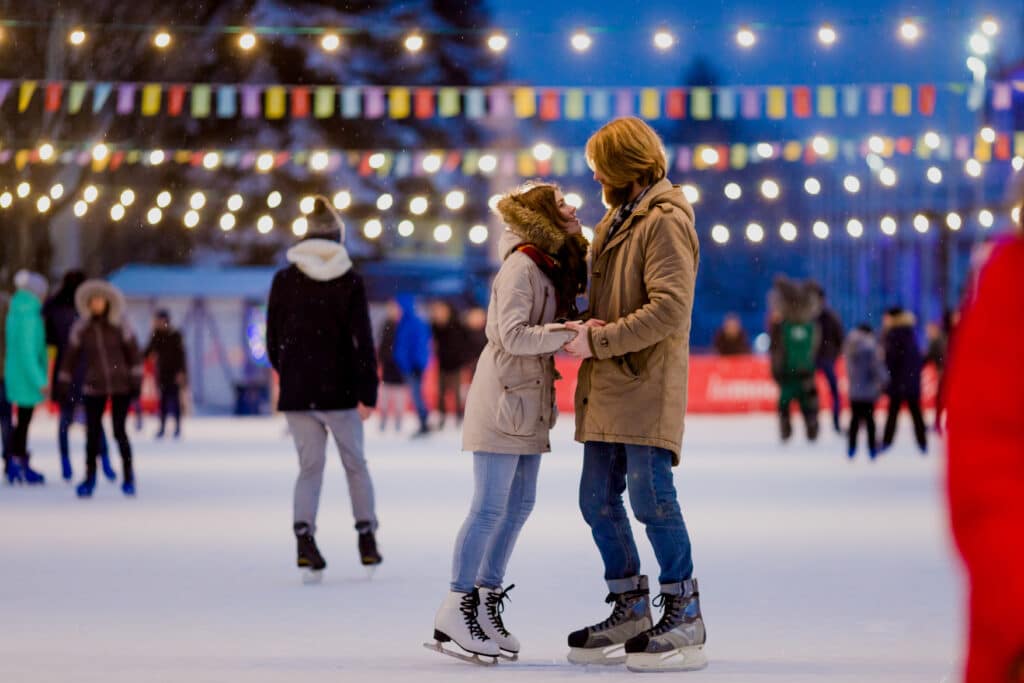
451,349
59,316
169,350
392,397
320,342
828,351
903,359
103,341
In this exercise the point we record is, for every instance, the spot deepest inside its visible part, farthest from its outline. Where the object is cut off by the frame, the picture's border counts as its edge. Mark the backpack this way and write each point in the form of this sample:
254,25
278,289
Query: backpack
798,347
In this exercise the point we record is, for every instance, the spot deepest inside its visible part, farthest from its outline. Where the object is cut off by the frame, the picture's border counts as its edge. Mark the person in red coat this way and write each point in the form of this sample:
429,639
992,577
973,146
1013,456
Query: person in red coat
986,462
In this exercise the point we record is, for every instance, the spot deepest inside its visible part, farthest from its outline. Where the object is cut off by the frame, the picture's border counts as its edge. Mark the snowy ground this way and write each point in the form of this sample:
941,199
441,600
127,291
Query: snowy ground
812,568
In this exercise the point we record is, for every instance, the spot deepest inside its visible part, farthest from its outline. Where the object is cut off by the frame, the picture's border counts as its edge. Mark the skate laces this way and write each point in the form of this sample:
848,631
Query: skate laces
673,613
468,607
620,601
495,606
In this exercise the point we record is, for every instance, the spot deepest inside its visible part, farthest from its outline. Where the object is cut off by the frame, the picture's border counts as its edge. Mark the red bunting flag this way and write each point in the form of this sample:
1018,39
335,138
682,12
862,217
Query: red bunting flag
423,103
53,95
801,102
675,103
300,102
175,100
926,99
1003,151
550,109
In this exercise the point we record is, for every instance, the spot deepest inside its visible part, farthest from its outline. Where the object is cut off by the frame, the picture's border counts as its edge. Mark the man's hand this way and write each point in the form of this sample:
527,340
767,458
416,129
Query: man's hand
579,346
364,412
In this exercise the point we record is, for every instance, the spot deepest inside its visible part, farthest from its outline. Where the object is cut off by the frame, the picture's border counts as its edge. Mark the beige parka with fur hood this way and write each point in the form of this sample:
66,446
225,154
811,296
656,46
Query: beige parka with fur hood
510,406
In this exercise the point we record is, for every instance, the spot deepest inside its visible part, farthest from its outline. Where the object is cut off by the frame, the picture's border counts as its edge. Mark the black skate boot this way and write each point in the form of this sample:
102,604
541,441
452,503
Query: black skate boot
604,643
785,426
309,557
676,643
368,553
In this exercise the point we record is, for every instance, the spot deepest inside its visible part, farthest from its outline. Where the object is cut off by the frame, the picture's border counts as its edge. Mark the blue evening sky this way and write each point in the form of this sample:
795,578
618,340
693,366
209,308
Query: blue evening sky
868,49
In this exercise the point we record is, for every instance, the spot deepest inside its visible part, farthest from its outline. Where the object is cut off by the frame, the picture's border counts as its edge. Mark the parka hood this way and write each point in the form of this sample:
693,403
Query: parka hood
320,259
90,288
530,226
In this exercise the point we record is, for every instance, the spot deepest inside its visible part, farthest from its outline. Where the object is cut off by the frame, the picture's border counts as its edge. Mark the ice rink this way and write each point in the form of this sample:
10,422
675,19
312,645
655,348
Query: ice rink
812,568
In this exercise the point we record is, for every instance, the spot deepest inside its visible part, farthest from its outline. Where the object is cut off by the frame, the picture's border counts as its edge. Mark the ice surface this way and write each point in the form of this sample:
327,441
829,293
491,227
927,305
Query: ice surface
812,568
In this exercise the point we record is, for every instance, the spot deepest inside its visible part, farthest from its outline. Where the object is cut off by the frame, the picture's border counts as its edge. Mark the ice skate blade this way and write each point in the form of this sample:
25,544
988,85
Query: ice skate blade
509,656
610,655
312,577
371,571
683,659
479,660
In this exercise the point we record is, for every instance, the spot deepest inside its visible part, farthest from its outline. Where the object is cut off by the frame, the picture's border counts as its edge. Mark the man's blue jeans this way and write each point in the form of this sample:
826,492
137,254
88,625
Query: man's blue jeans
608,470
505,492
414,381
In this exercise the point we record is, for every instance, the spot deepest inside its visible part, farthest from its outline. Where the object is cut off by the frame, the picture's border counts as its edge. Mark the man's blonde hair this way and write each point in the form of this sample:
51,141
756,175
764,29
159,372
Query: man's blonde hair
627,150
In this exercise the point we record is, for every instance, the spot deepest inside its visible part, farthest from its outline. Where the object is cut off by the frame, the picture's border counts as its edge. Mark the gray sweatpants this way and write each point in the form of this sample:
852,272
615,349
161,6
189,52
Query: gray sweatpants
309,429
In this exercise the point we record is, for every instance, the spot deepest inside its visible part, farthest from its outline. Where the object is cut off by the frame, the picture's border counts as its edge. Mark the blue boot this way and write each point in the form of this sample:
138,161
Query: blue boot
851,452
29,474
108,471
12,470
84,490
128,488
65,468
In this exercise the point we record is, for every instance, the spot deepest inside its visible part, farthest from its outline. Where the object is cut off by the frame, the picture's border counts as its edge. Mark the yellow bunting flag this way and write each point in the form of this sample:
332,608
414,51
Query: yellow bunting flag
650,103
776,103
792,151
525,103
826,101
399,103
901,96
574,104
182,156
700,103
323,102
151,99
1018,144
276,105
25,94
21,158
982,150
527,164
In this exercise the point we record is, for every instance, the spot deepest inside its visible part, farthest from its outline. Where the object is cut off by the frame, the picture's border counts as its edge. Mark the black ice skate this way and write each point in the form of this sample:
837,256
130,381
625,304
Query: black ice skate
676,643
309,558
604,643
368,553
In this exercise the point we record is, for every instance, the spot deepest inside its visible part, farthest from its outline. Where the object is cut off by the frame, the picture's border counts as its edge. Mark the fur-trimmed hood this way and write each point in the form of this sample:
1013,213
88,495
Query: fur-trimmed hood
90,288
531,226
795,301
320,259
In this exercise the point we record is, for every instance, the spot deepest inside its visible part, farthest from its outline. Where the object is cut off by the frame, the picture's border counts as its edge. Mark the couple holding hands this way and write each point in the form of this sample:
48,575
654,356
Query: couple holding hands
630,404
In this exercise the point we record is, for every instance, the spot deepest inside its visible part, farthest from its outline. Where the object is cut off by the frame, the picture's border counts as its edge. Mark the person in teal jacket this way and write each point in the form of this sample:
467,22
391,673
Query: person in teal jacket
25,367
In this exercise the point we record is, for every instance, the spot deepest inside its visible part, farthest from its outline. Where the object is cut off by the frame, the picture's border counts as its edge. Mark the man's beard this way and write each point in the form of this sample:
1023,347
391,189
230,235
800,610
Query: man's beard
614,197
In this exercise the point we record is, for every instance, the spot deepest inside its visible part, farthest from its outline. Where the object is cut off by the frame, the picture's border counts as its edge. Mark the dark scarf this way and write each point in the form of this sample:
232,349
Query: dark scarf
567,270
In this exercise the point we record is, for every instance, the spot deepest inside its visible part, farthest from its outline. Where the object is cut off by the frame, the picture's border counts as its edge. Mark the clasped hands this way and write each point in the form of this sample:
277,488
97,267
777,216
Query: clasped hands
579,346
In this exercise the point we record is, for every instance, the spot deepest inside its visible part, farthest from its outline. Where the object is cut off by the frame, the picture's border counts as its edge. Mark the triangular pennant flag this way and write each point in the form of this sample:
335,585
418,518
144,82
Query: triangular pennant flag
575,107
650,103
525,103
423,103
449,102
624,102
25,94
374,106
54,91
151,93
700,103
726,104
76,96
476,107
125,98
901,100
776,103
323,102
100,94
176,99
300,102
276,102
399,103
202,96
351,103
826,101
227,102
550,106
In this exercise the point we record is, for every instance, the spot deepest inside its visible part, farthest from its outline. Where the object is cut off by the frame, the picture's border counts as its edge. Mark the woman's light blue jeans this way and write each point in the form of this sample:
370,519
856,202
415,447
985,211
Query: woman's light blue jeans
505,491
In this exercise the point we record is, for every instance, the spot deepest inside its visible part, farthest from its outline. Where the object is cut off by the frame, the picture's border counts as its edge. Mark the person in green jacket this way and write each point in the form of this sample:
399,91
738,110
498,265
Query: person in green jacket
25,367
5,407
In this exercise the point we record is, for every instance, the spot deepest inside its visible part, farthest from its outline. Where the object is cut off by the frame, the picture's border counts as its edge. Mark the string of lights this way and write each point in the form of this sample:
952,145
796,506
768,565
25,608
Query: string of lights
386,213
910,30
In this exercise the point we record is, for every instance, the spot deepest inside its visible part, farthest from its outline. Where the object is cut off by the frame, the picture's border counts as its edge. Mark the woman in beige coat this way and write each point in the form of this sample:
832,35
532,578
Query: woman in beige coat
510,410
